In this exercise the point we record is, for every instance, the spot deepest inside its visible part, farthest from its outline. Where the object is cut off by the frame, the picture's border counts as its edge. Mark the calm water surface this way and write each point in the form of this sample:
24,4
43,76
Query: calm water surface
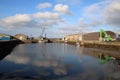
54,61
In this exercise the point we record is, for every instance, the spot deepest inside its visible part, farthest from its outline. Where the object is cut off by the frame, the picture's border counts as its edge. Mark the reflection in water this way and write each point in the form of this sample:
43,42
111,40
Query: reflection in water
117,62
57,62
104,58
41,56
79,51
111,69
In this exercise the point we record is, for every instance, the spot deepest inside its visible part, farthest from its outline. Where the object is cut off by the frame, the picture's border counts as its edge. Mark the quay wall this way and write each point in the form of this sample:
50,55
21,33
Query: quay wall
9,43
112,46
7,46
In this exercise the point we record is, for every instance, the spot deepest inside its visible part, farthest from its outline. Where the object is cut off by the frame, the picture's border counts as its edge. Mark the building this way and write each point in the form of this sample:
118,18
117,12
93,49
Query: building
93,36
118,37
5,37
21,36
119,34
73,37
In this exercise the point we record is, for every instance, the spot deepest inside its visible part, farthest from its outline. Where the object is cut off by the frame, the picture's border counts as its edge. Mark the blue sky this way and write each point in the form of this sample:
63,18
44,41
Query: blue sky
59,17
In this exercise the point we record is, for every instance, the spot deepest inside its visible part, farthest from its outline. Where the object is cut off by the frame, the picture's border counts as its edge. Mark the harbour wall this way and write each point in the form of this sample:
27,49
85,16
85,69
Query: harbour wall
112,45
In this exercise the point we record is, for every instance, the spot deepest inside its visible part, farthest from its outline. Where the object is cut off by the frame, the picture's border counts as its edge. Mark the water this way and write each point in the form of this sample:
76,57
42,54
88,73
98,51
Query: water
55,61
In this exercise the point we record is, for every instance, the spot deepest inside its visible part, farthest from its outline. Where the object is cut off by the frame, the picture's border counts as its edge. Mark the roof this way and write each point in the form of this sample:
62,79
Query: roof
20,35
108,32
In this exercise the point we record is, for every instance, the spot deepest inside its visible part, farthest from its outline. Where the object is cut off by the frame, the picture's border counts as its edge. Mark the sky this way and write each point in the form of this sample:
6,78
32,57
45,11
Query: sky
58,17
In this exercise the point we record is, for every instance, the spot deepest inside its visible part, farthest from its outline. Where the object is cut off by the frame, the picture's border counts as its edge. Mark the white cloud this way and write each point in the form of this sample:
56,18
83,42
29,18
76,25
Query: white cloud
92,11
95,11
105,12
17,18
62,9
41,19
71,2
48,18
44,5
83,24
80,27
112,13
47,15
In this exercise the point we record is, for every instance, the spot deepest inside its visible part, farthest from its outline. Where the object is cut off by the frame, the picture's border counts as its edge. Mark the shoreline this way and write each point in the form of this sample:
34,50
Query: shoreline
112,46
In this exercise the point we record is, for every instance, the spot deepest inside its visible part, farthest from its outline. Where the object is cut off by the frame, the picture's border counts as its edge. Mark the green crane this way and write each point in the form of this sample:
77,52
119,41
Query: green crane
107,37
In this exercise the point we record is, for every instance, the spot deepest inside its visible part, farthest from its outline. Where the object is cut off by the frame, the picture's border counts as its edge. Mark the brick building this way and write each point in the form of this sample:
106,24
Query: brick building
94,36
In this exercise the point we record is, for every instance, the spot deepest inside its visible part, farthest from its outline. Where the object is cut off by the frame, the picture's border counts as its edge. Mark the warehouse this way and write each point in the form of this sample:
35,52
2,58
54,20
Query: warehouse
21,36
73,37
93,36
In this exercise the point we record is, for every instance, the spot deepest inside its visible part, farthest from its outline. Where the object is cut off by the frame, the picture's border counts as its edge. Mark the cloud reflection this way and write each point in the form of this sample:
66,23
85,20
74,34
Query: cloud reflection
18,59
40,58
72,62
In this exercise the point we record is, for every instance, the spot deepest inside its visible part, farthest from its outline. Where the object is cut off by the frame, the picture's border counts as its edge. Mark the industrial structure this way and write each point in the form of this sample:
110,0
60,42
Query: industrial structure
21,36
74,37
118,38
104,36
93,36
